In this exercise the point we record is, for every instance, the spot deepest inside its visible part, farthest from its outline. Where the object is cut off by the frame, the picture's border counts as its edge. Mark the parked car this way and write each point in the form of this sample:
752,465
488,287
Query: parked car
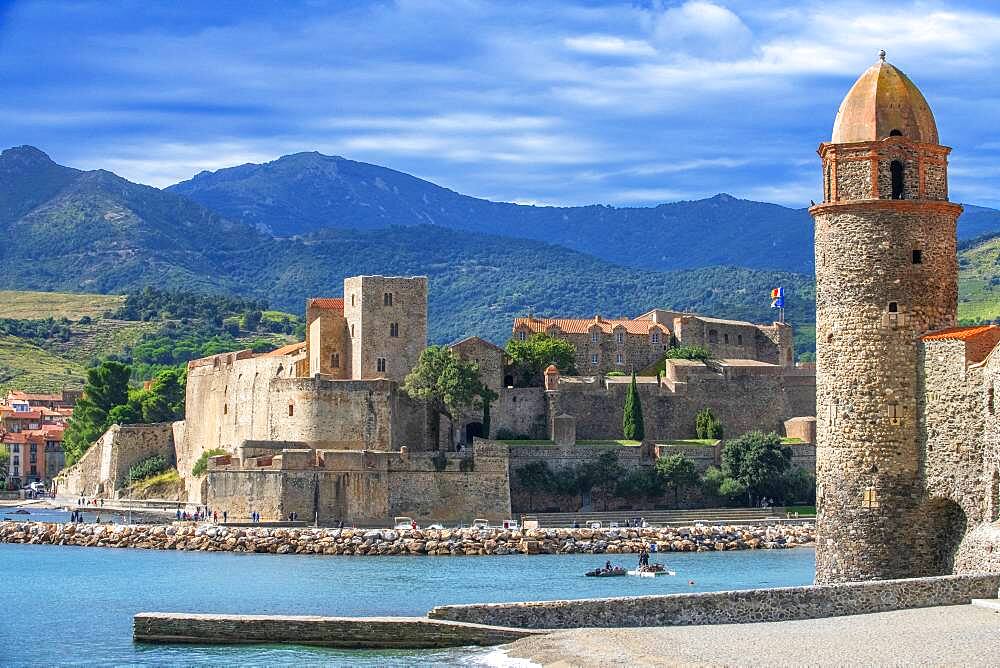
37,487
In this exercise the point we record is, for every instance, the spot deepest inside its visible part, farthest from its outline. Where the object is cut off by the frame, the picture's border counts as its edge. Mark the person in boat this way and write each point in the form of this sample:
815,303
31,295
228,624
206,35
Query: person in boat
607,566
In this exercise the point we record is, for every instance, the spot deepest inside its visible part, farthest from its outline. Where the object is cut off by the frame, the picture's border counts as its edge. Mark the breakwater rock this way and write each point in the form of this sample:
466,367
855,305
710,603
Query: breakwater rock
374,542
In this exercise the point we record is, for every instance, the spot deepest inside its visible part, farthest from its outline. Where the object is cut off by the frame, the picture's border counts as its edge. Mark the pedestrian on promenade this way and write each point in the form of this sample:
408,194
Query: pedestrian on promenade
225,516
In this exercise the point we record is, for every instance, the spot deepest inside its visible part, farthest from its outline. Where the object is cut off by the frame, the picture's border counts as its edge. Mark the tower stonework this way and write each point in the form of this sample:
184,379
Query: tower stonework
886,273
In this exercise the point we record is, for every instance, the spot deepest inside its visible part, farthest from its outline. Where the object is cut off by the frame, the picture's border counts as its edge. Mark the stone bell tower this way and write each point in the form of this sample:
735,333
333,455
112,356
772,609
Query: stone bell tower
886,273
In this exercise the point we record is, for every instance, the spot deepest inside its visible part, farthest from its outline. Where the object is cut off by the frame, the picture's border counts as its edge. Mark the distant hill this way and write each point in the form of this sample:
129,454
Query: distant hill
979,280
97,232
307,192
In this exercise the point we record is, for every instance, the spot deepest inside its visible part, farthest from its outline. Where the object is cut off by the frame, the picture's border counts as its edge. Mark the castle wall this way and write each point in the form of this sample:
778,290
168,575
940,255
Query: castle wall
743,398
104,467
332,414
951,426
370,488
227,402
487,356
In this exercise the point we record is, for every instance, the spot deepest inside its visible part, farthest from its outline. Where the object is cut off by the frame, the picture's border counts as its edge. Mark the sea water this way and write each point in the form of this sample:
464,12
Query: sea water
74,605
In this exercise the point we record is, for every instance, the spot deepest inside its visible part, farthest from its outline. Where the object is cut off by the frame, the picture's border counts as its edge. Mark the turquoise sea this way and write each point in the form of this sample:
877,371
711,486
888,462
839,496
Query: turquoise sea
74,606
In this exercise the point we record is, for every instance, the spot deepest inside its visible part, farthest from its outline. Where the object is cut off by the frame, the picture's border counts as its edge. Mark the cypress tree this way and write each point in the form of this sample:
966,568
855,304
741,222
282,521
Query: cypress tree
632,426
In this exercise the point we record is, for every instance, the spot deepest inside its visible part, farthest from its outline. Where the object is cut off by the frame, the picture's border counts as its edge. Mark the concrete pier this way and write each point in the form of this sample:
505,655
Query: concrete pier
342,632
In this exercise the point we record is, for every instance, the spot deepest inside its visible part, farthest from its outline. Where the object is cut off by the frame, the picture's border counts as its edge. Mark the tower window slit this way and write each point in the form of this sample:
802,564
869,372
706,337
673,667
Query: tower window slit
896,174
918,257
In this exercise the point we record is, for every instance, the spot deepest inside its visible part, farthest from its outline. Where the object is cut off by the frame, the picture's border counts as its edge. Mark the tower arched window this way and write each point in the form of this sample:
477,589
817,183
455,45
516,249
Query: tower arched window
895,133
896,175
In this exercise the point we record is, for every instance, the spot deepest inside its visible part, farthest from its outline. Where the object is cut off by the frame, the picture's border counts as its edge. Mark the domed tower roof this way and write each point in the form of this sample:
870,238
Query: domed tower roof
884,102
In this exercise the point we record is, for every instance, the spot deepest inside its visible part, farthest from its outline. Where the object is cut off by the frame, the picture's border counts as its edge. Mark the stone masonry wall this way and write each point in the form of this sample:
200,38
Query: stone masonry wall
742,399
951,427
730,607
104,467
868,477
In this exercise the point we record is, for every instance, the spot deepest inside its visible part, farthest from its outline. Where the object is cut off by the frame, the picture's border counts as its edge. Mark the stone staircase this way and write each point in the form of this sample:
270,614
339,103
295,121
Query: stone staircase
664,517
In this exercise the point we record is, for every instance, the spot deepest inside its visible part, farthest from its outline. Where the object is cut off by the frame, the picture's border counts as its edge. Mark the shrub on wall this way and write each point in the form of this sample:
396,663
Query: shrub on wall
201,465
689,353
707,426
147,468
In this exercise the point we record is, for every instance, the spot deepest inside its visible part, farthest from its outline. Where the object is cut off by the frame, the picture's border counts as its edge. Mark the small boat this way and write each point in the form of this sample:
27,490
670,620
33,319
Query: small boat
615,572
651,571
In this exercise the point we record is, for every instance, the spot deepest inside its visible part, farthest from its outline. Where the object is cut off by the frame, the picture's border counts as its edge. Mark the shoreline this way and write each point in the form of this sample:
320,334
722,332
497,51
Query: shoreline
414,542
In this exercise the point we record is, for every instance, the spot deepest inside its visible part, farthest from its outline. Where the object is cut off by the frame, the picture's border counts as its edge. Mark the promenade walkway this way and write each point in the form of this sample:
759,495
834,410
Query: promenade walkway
952,635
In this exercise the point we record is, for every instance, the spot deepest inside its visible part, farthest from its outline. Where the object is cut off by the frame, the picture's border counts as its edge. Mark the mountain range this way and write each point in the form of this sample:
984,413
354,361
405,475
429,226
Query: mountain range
293,228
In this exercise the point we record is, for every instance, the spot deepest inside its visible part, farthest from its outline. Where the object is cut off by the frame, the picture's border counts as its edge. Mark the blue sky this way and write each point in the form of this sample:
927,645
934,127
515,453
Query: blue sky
550,102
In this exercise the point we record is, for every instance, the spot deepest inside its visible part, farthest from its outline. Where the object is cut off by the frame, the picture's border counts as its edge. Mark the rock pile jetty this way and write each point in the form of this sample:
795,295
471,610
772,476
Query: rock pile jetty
375,542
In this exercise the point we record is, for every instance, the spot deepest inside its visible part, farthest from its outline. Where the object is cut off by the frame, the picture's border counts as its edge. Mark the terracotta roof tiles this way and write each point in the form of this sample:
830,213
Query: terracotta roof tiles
290,349
336,303
979,340
583,325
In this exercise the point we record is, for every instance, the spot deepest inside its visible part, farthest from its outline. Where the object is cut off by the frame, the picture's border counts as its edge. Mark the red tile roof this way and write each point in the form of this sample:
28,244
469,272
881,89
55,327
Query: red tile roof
979,340
583,325
286,350
27,396
336,303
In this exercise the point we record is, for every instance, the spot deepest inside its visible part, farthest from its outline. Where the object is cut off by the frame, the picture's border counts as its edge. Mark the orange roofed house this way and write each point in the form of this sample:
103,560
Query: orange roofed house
627,344
31,431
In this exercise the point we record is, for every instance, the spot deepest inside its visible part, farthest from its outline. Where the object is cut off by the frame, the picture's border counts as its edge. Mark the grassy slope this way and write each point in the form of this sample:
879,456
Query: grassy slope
25,366
979,281
26,305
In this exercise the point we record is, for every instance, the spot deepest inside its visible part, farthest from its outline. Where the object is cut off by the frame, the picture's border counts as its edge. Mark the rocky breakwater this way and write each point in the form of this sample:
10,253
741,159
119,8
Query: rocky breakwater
375,542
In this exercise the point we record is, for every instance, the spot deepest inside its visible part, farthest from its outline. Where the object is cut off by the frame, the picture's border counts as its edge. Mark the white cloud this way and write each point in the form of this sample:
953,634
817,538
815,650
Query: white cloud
609,45
702,29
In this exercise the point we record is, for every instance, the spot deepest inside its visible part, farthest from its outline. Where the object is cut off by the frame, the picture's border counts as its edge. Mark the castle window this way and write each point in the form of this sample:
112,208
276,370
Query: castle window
352,300
869,498
895,413
893,307
593,359
387,299
521,336
989,400
225,409
593,336
713,336
620,337
335,360
896,174
352,330
725,339
739,339
895,133
291,410
918,257
394,329
619,359
380,365
654,337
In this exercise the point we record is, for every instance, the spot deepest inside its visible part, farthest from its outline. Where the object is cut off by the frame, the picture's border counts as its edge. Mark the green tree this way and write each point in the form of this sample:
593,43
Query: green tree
533,355
4,468
706,425
757,461
252,320
678,472
640,483
106,387
535,477
632,425
445,382
601,474
487,397
689,353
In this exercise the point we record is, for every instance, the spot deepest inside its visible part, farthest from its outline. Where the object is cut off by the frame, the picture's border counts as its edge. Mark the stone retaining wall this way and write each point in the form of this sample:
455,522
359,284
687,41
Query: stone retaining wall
731,607
344,632
373,542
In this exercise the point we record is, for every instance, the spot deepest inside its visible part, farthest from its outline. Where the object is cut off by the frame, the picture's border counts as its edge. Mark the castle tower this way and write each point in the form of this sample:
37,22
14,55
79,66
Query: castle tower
386,323
886,273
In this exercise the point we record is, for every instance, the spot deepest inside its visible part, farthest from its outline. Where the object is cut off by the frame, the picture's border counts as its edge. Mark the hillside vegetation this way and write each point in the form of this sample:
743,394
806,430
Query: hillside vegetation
23,305
979,281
